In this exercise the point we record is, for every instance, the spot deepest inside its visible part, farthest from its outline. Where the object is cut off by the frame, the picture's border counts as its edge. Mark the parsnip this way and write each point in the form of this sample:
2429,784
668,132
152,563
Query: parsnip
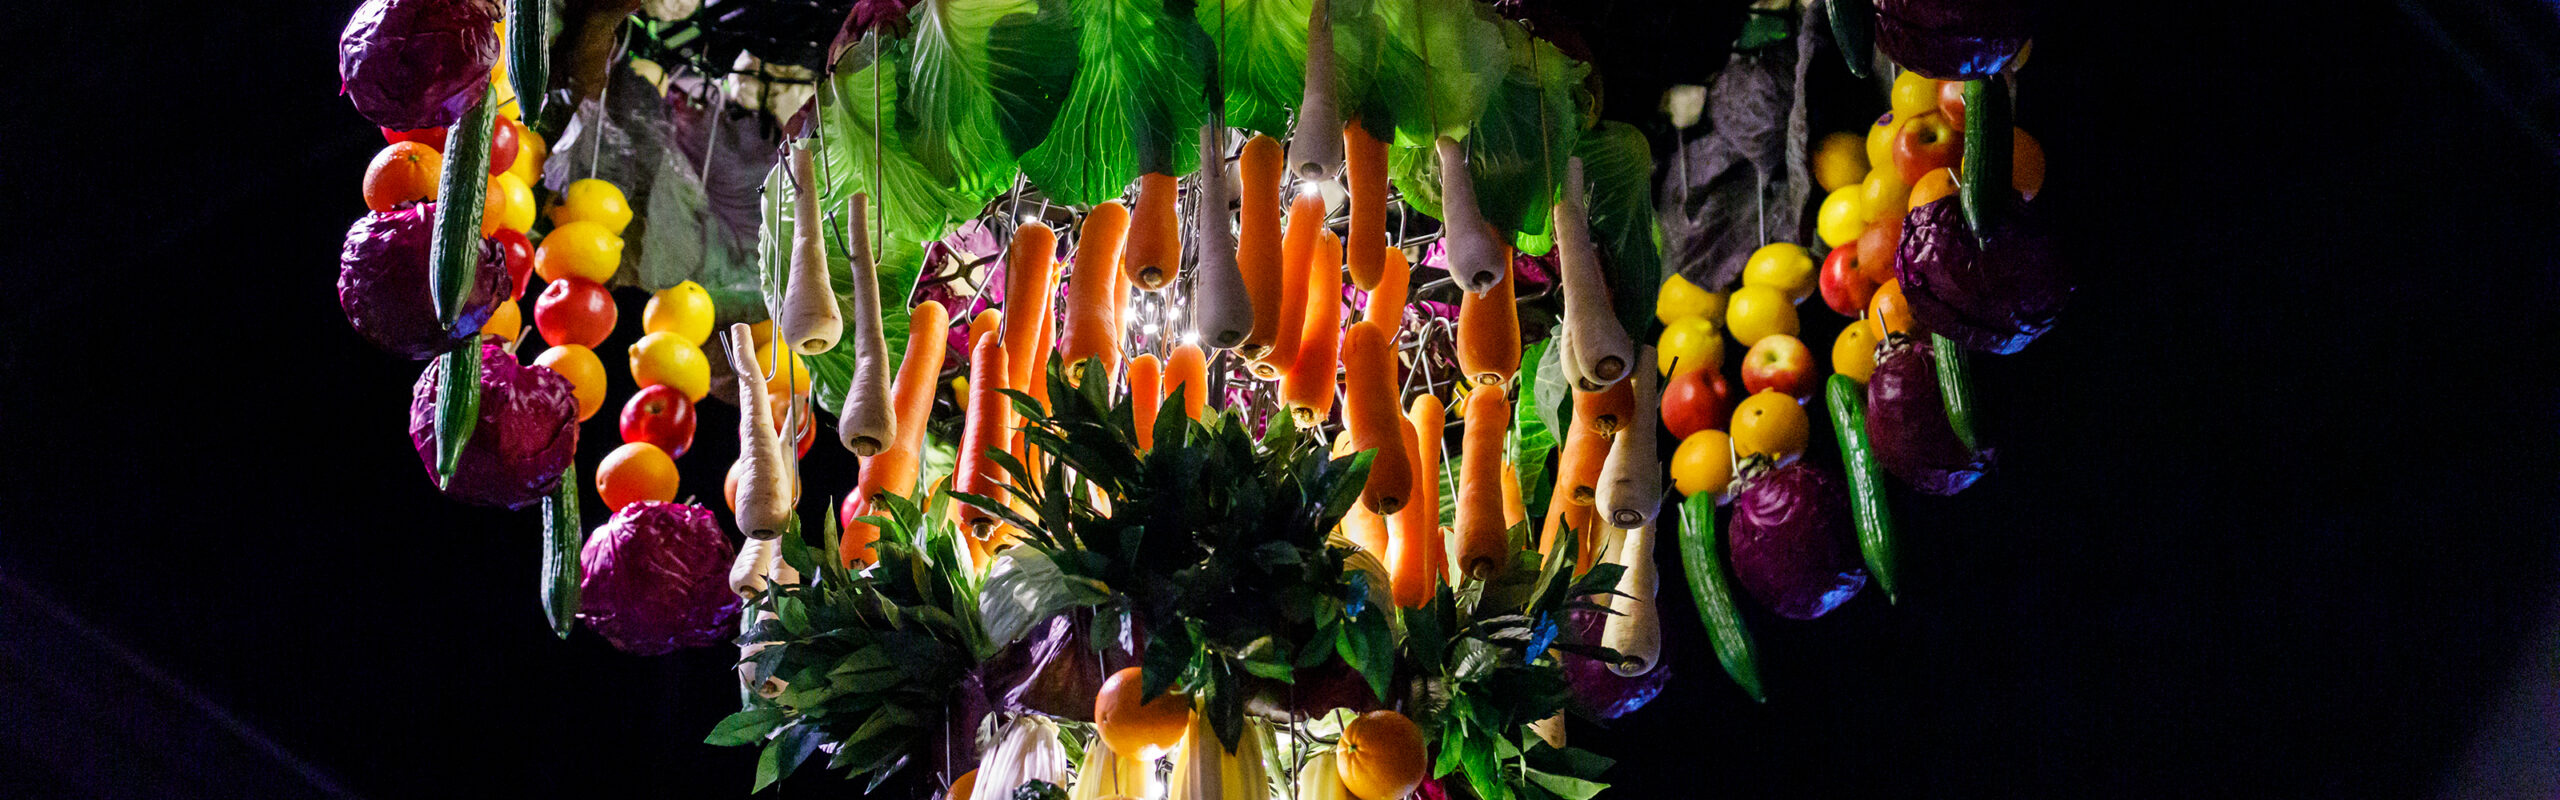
1221,306
810,322
868,422
1635,631
1475,256
764,474
1630,488
1315,146
1600,346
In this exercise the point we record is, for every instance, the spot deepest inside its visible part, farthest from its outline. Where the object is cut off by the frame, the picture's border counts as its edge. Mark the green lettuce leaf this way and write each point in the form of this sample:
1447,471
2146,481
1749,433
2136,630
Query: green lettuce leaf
1136,107
1618,163
1516,145
1262,58
978,75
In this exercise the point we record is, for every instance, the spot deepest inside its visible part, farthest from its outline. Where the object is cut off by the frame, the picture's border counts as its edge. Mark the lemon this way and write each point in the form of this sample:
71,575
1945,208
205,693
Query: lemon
683,309
1885,192
665,359
1843,216
579,250
796,370
1755,312
530,153
1914,94
1880,142
518,198
1784,266
1689,344
1679,299
1854,353
1841,160
584,371
592,200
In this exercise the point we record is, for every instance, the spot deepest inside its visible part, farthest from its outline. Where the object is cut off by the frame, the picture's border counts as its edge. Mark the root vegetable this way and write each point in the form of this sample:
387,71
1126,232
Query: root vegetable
1369,418
1029,283
1145,389
1365,247
1188,372
1154,256
1489,329
1297,247
1636,631
1314,151
810,322
895,470
1395,281
1307,389
989,427
1601,347
1477,258
1093,324
1221,304
868,422
1607,412
1258,246
764,475
1630,490
1484,543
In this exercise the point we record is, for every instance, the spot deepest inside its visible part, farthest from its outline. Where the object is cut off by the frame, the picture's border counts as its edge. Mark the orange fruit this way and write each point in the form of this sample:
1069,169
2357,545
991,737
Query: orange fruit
2026,164
507,321
634,472
584,371
1130,726
1770,423
1841,160
401,173
962,786
1937,184
1889,311
1854,353
1703,464
511,202
1382,756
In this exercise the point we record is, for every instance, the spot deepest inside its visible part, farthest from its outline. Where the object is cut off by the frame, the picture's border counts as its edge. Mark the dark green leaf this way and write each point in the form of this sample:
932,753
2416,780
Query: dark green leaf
1618,165
748,726
1136,104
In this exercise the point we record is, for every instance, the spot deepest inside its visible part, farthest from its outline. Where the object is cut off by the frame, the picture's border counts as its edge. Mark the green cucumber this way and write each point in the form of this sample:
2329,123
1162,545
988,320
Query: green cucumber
460,193
1955,386
1866,481
457,406
1853,28
563,536
1703,561
1987,156
526,62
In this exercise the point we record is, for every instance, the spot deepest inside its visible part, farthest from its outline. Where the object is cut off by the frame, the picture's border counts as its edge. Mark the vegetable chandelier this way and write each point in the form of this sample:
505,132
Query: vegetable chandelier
1211,466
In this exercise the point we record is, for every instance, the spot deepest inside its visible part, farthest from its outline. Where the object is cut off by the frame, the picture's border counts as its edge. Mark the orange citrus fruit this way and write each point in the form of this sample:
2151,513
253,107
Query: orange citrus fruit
1854,353
1130,726
1771,423
1937,184
401,173
962,786
507,321
634,472
1382,756
2026,164
579,250
584,371
1889,311
1703,464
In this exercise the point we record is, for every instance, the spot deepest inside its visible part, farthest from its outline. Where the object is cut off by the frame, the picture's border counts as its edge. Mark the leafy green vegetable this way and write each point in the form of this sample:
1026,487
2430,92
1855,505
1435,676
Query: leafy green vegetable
1618,163
1136,106
1435,62
1535,422
1517,141
977,74
1261,47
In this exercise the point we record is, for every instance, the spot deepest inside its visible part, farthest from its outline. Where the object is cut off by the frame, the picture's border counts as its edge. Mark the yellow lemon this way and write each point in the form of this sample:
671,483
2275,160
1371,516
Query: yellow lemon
1679,299
1880,142
1885,192
1784,266
518,212
579,250
1841,160
592,200
1914,94
1754,312
1689,344
665,359
531,151
1854,353
1843,216
683,309
796,370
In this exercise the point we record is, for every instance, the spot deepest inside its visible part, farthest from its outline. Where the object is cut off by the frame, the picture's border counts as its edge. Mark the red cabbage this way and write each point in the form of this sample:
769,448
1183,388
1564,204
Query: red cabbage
1952,40
1791,542
410,64
657,579
383,278
527,433
1994,294
1599,693
1907,423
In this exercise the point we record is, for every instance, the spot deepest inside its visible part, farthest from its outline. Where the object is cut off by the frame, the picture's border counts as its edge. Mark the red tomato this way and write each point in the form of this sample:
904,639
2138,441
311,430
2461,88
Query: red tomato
431,137
519,256
502,145
659,415
1844,288
1695,401
574,311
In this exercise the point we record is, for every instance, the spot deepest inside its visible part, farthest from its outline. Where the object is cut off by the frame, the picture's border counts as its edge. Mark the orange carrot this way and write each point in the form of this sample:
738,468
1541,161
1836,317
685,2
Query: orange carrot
1412,535
894,470
1489,330
1369,417
1038,388
1428,418
1484,545
1366,158
1188,371
1144,372
987,428
1093,324
1297,247
986,322
1030,281
1514,509
1258,250
1607,411
1154,256
1578,467
1307,389
1579,520
1368,530
1395,281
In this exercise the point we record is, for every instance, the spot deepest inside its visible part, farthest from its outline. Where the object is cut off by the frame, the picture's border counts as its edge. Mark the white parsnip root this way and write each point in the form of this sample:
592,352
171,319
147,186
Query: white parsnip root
1475,257
758,568
1630,490
764,477
1636,630
1600,350
868,422
1315,146
809,320
1221,306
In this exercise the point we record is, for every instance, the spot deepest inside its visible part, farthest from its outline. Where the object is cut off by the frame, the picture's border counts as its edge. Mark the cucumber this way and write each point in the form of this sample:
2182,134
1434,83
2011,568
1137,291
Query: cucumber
526,62
1703,560
1853,28
1866,482
460,193
1987,152
457,406
563,537
1955,386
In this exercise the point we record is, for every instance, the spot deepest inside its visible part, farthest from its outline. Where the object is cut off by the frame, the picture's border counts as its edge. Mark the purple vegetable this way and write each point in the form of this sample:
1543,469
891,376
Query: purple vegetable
1907,423
383,275
1316,690
657,579
1056,670
527,434
410,64
1993,295
1952,40
1597,692
1791,542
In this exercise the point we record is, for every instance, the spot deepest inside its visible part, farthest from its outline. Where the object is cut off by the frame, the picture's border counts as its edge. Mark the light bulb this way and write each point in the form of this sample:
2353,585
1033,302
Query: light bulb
1148,329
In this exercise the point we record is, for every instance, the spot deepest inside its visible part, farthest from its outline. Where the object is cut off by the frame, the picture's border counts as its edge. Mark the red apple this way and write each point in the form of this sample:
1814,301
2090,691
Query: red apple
574,311
1876,248
1951,102
1844,287
1696,400
659,415
1926,143
519,257
1779,362
502,145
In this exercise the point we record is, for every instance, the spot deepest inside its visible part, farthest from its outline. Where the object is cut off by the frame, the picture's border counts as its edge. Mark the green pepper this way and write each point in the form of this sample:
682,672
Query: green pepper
1955,385
1866,481
460,193
563,537
457,406
1853,27
1987,152
1703,560
526,62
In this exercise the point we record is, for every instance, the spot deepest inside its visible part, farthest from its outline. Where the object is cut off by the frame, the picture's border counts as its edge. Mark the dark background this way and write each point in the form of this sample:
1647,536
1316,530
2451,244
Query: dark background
2275,514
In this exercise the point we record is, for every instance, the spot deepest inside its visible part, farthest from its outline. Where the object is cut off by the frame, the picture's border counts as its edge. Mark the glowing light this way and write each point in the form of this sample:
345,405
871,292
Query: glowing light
1308,189
1148,329
1028,219
1172,313
1190,337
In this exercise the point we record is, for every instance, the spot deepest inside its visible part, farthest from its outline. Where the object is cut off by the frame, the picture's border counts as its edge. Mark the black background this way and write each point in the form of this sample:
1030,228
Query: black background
2275,514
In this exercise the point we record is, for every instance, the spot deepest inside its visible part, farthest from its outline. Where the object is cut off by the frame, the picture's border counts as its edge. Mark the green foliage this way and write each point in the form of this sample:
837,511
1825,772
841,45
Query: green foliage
1485,670
1517,140
1261,47
1618,163
979,76
1136,105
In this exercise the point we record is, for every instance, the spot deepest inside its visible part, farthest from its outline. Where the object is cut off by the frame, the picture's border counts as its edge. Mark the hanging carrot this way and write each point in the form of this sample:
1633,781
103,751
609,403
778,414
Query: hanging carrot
867,422
1630,491
1258,248
1030,281
1365,528
1607,411
988,427
1038,388
1476,256
1575,520
1601,348
986,322
1515,510
1297,247
764,480
1413,571
1364,250
1578,466
1119,309
1144,372
1221,305
1489,329
1314,153
1188,371
1369,416
894,470
810,322
1484,544
1154,256
1307,389
1418,523
1395,279
1093,325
